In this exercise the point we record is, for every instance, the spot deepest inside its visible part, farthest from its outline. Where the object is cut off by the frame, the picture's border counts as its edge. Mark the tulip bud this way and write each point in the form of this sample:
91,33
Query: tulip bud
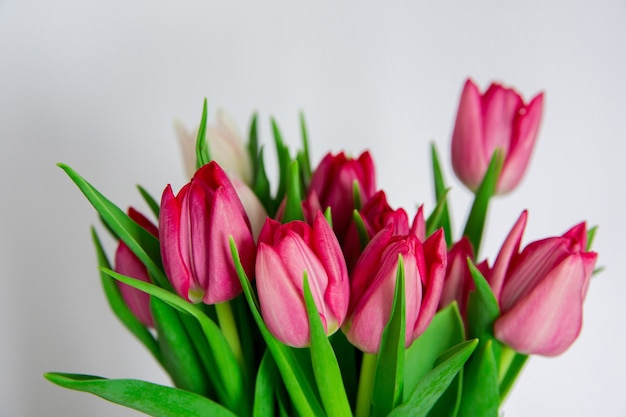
543,291
225,147
497,119
286,252
374,279
332,185
195,227
126,263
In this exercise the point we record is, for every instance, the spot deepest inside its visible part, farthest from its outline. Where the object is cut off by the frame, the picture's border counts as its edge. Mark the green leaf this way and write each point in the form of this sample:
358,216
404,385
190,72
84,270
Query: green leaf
304,157
293,206
296,382
434,383
228,378
478,214
436,219
518,362
357,199
480,384
440,195
347,358
591,234
262,187
266,381
325,366
152,399
118,305
444,332
364,237
203,155
389,379
150,201
284,162
253,146
482,308
141,242
179,354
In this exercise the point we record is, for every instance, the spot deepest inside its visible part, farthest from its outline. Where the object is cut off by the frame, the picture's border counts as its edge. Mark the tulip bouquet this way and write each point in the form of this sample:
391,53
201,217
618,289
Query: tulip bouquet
315,297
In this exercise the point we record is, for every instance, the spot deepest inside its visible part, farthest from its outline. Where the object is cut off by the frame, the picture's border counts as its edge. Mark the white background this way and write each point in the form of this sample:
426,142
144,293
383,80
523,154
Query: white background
98,84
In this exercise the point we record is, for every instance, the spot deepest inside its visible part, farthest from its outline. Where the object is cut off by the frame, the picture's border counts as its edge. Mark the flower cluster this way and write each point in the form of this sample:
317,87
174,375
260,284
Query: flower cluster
328,265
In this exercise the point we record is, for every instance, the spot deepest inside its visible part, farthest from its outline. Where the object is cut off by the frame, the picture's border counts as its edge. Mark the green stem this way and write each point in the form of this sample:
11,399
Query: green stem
366,385
506,358
229,329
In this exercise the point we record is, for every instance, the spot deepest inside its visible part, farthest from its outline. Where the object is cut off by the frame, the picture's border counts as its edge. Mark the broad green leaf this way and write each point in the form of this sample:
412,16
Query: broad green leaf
480,384
440,195
346,357
152,399
228,381
445,331
179,354
141,242
265,388
296,382
324,361
203,155
518,362
434,383
478,214
150,201
389,379
293,205
482,308
118,305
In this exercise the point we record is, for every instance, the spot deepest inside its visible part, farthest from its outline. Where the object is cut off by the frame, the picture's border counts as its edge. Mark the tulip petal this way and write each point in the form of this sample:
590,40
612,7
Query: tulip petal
126,263
500,107
278,296
509,249
549,318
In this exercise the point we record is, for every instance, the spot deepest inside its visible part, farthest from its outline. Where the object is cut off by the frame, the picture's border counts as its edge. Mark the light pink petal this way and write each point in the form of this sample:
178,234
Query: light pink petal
468,158
548,319
500,107
282,305
509,249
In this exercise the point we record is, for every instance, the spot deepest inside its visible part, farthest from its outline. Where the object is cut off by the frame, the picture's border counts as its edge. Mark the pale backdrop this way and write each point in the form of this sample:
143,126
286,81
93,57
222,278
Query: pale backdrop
98,84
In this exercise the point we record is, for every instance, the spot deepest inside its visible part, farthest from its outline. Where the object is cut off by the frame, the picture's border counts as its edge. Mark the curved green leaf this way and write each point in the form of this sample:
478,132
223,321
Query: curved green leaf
481,396
152,399
440,195
150,201
203,155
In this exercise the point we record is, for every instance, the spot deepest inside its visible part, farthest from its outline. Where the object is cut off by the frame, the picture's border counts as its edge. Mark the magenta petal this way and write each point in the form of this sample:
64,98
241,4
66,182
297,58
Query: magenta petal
281,301
126,263
169,235
435,253
547,320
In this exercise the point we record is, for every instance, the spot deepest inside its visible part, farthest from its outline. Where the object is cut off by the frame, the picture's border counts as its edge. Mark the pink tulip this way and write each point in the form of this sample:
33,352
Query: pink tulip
543,289
458,282
374,278
195,227
376,215
126,263
497,119
286,252
332,185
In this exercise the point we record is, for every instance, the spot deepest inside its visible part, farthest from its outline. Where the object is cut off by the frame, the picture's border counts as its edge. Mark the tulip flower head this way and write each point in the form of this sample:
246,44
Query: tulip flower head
543,290
225,147
332,185
373,282
126,263
286,252
497,119
195,226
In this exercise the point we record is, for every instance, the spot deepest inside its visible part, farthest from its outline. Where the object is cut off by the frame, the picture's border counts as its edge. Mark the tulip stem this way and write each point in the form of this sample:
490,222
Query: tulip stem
506,358
366,385
229,329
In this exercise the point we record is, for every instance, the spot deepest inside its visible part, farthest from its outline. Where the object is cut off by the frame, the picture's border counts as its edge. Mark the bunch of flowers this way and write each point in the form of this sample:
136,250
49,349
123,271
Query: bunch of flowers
320,298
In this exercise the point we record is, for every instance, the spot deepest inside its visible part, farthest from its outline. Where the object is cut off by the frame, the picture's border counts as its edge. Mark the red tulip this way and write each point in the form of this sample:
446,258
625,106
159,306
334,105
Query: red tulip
195,226
542,290
332,185
286,252
126,263
499,118
374,279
